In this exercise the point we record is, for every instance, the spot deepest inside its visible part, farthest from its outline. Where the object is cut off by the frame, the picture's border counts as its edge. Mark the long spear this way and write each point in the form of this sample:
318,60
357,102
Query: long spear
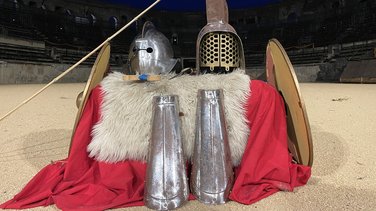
79,62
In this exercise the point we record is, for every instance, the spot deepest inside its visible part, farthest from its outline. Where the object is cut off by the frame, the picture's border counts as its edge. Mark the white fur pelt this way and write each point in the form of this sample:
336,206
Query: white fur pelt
124,129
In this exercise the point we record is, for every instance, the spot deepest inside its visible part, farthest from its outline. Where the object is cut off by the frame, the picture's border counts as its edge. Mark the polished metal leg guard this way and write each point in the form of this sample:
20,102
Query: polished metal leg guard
212,173
166,184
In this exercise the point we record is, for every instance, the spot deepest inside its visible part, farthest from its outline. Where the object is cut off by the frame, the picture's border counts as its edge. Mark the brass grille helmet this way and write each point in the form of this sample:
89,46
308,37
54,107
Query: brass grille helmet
151,52
219,49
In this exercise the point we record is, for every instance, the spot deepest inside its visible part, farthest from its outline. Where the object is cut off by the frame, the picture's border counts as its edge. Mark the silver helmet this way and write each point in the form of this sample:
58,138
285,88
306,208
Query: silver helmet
151,52
219,49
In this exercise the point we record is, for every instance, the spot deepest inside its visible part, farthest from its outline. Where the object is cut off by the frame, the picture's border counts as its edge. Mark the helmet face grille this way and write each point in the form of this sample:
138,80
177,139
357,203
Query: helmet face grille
219,50
209,50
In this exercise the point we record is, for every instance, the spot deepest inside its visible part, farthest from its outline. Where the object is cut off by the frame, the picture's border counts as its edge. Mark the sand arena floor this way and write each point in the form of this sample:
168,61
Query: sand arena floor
342,118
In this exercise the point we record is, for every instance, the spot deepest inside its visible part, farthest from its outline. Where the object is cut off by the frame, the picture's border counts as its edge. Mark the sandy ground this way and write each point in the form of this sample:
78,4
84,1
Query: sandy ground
342,118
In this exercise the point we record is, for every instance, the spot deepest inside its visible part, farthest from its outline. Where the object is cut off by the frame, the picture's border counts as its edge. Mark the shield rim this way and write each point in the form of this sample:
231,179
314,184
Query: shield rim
97,73
275,49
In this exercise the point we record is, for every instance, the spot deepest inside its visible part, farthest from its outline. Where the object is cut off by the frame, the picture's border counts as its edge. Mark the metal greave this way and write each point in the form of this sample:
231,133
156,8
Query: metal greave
166,185
212,173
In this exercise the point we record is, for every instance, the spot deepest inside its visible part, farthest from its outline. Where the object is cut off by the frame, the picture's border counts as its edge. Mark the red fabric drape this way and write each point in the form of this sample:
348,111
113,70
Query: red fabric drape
81,183
266,165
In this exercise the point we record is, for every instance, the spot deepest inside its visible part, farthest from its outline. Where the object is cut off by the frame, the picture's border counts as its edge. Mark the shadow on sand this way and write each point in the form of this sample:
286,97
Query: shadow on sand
39,146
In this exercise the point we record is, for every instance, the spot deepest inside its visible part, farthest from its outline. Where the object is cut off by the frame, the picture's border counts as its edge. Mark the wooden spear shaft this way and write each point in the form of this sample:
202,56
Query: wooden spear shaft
79,62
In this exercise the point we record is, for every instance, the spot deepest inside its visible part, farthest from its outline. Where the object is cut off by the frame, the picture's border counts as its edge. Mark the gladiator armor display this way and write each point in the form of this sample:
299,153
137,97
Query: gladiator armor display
151,52
219,50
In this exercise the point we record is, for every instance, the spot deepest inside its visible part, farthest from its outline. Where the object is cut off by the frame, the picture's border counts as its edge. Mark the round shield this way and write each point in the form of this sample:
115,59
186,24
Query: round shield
280,74
98,71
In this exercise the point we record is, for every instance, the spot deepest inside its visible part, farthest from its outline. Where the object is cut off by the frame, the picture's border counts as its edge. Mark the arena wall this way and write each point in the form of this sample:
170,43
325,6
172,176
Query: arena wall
36,73
360,72
23,42
304,73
